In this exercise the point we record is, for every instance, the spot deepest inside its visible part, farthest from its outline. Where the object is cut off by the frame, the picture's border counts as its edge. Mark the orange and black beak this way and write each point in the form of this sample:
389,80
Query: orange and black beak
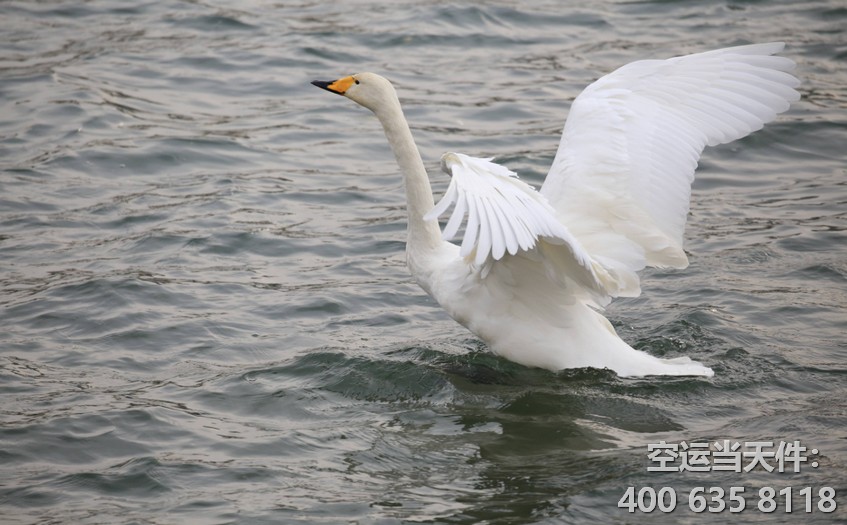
336,86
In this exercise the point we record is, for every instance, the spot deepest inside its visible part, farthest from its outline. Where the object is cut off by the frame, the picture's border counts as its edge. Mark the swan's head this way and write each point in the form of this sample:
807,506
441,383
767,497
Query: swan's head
366,89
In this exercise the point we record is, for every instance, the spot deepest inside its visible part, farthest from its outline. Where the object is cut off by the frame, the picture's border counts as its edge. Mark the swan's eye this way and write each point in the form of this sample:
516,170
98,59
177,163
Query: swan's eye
357,81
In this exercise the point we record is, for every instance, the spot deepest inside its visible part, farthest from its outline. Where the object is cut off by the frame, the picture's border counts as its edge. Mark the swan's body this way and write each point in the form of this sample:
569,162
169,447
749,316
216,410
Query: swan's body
535,268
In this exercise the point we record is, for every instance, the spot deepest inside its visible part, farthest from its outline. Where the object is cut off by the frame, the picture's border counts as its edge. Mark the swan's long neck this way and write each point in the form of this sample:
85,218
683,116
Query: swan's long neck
422,235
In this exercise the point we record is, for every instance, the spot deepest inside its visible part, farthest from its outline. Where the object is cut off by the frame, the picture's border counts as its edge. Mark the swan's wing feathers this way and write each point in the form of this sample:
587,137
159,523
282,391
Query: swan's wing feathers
621,179
504,214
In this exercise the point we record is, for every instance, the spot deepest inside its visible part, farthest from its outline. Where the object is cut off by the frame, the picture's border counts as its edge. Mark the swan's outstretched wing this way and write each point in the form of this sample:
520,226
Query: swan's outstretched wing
503,213
621,179
504,216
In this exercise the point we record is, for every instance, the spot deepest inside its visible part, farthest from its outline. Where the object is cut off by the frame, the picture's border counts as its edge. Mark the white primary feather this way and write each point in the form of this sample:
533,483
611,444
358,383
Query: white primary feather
621,178
504,214
507,216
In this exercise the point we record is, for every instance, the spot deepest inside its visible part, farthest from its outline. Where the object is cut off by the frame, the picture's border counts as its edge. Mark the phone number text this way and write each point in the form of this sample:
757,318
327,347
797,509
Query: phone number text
733,499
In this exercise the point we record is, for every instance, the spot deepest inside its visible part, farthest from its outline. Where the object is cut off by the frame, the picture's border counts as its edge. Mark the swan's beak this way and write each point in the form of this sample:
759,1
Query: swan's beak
336,86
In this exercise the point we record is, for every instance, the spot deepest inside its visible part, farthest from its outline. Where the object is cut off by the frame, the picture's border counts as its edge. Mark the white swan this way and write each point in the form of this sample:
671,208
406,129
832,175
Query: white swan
536,268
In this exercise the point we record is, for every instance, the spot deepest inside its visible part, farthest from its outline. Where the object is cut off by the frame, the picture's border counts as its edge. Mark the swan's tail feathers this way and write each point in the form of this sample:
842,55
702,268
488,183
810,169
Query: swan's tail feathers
648,365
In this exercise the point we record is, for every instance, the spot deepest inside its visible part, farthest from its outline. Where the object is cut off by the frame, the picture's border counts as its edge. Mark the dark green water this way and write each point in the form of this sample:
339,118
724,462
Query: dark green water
206,316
